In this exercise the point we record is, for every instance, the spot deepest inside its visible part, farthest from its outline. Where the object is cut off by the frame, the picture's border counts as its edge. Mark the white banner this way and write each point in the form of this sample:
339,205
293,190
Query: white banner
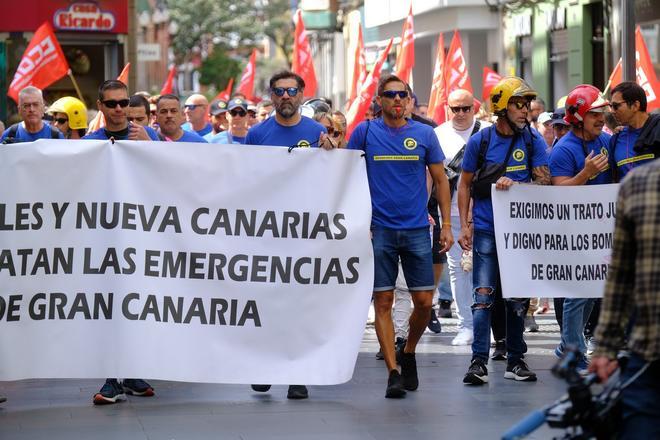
554,241
187,262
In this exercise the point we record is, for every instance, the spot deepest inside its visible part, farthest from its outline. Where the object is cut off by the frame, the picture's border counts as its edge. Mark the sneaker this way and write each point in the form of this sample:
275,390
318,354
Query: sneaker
530,324
110,392
379,355
499,354
260,388
3,399
591,345
409,371
137,387
444,308
297,392
463,337
520,372
395,389
434,324
477,373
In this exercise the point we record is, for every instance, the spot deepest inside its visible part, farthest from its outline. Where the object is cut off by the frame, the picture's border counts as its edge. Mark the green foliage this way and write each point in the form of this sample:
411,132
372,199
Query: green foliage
217,69
276,23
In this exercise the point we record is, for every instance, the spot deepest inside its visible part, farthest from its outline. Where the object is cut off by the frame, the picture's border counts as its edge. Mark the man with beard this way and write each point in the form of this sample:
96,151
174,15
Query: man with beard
288,128
169,118
31,108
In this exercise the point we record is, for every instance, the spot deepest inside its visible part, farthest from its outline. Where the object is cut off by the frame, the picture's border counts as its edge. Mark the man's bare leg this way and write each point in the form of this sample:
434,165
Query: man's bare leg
384,327
419,318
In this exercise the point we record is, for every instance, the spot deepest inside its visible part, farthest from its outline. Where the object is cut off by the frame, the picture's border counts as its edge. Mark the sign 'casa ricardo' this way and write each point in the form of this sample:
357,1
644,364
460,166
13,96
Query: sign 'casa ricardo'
84,17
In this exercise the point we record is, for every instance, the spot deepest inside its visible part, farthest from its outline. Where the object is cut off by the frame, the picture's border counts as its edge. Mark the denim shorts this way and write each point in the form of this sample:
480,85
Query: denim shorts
413,247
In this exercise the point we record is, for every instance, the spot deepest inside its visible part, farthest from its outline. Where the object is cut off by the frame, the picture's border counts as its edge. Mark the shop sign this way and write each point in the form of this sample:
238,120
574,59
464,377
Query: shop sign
84,16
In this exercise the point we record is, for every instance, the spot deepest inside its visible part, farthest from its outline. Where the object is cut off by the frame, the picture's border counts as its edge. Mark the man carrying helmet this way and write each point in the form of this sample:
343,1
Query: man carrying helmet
69,116
506,153
581,158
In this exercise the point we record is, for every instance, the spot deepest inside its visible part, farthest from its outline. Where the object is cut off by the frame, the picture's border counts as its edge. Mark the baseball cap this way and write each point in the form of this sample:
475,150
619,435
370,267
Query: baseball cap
558,116
545,117
237,102
217,107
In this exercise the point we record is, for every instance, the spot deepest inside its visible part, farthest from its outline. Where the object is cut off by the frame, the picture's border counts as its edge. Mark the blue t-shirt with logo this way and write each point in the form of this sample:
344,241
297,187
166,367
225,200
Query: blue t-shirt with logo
208,128
396,170
518,166
568,157
225,138
101,134
623,153
191,136
269,132
22,135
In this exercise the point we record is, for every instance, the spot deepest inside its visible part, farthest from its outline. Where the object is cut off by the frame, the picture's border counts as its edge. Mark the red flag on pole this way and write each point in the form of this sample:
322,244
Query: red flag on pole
226,93
168,87
438,99
123,76
457,72
490,80
406,59
246,86
359,68
42,64
615,77
303,64
359,107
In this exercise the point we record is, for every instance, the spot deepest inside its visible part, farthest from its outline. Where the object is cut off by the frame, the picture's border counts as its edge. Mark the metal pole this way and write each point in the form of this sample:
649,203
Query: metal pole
628,40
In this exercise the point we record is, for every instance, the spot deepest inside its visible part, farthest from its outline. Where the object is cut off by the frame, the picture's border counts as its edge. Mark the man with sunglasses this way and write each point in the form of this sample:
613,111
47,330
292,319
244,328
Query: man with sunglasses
398,153
195,109
31,109
169,118
237,124
112,102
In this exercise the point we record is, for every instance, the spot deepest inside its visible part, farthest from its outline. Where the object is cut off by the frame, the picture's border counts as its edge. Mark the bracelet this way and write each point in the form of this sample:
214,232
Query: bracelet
446,224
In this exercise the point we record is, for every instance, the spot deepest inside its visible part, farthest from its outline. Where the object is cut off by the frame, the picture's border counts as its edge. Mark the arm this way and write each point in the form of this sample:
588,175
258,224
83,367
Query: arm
463,200
437,171
593,165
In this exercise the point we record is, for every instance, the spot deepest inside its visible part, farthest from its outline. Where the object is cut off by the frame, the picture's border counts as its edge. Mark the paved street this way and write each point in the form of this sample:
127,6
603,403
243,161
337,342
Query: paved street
442,408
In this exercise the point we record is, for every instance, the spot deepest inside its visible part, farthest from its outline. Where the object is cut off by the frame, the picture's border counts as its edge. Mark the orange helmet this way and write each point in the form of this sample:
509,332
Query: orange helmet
582,99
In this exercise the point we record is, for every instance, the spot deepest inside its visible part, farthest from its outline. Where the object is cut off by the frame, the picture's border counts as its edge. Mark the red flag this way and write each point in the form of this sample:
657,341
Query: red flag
406,59
168,87
303,64
359,68
438,100
226,93
616,77
123,76
42,64
491,78
246,86
359,107
457,73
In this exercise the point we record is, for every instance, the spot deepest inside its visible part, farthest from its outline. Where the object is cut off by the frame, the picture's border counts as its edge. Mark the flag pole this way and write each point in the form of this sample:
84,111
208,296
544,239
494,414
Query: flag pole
75,84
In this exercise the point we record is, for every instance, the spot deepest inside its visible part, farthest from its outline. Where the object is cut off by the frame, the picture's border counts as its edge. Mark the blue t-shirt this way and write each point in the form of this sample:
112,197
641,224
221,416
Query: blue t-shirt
269,132
190,136
208,128
101,134
22,135
396,170
517,167
224,137
625,157
567,158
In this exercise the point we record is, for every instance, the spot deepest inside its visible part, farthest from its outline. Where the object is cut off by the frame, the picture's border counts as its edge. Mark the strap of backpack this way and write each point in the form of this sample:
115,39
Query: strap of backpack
611,158
483,148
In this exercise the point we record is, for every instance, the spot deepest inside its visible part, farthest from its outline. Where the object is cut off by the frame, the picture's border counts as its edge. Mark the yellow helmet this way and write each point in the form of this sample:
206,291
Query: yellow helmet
505,89
74,109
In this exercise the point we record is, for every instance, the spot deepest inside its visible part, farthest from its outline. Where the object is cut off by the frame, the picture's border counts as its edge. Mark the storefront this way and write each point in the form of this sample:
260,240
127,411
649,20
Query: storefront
92,35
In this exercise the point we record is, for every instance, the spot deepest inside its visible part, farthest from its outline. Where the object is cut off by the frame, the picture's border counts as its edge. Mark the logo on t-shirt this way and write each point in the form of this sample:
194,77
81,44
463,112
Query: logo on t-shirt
603,151
518,155
410,143
303,143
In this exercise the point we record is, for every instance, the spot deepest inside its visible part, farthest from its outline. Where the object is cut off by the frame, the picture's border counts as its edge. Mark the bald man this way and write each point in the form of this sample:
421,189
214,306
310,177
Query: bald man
196,109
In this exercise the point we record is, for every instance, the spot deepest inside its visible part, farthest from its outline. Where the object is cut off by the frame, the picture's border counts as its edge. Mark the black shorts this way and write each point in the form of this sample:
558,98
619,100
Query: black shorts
438,257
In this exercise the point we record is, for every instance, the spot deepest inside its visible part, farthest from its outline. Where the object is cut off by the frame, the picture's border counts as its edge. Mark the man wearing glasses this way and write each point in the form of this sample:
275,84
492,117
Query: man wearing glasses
195,109
398,153
237,123
31,108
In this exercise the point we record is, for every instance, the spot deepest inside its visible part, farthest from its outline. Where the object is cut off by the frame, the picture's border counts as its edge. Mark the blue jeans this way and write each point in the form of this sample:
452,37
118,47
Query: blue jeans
641,401
576,313
486,275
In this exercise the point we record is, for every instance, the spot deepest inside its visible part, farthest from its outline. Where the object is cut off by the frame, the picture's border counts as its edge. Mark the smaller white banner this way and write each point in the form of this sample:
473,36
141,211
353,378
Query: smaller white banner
148,52
554,241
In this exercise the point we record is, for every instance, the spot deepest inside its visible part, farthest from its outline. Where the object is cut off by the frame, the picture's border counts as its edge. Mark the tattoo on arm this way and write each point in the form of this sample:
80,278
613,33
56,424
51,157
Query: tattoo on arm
541,175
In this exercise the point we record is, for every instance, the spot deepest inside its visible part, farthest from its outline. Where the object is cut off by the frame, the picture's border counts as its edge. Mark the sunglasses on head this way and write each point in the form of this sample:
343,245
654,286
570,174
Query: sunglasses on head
391,94
461,108
522,104
60,120
615,105
238,112
291,91
112,103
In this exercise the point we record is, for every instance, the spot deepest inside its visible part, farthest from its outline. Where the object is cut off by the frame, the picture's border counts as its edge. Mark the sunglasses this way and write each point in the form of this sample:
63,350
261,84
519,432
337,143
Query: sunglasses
332,132
60,120
391,94
521,104
240,113
192,106
461,108
615,105
112,103
291,91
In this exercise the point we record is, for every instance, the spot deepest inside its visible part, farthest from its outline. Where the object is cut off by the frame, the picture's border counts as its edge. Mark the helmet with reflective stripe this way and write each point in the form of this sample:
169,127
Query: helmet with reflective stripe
582,99
507,88
74,109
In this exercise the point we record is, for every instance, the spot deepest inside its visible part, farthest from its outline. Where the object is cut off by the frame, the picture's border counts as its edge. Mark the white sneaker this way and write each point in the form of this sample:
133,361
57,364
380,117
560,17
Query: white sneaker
464,337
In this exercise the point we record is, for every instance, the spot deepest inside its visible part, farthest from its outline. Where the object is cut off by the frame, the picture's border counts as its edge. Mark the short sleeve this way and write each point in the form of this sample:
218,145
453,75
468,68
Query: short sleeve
250,139
435,153
471,156
540,157
561,162
356,141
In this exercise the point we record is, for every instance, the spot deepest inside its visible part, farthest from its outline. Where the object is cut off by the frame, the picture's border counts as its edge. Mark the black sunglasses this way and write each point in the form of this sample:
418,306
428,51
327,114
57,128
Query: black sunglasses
235,112
615,105
522,104
112,103
391,94
60,120
332,132
461,108
192,106
279,91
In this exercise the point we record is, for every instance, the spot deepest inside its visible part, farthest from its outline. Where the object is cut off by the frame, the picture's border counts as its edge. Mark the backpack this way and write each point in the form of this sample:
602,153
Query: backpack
13,131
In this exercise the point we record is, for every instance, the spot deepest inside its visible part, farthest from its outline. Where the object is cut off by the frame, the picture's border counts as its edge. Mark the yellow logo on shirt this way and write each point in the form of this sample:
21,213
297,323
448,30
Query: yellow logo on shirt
518,155
603,151
410,143
303,143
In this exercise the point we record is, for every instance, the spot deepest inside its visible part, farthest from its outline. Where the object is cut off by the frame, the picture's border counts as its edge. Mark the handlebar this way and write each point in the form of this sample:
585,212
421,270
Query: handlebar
526,426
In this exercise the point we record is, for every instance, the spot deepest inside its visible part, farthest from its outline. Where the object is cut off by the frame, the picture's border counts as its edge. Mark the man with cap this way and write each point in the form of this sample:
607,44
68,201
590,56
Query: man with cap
195,110
169,117
218,113
545,128
237,123
252,114
560,127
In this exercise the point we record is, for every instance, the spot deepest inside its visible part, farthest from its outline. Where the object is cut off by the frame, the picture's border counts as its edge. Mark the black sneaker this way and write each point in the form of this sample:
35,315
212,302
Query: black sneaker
499,354
3,399
137,387
477,373
297,392
395,388
444,308
110,392
434,324
409,371
520,372
260,388
399,345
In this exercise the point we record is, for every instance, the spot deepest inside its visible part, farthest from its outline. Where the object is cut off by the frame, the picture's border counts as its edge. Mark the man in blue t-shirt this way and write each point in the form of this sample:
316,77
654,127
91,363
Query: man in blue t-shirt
512,142
398,153
237,124
31,109
169,118
628,148
195,111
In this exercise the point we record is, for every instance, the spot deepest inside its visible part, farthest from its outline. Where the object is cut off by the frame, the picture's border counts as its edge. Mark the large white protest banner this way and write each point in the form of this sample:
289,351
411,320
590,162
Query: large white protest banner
554,241
188,262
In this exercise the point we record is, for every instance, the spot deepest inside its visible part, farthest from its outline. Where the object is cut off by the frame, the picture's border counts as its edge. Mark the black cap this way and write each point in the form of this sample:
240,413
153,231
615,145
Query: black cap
218,107
237,102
